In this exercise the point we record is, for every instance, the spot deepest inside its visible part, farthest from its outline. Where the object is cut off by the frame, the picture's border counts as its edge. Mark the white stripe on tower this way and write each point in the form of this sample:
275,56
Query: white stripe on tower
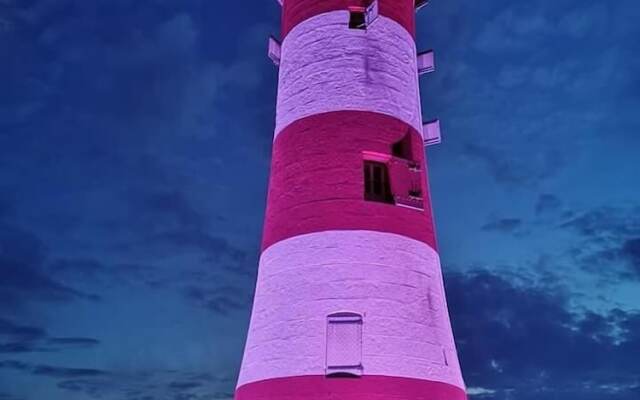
394,280
328,67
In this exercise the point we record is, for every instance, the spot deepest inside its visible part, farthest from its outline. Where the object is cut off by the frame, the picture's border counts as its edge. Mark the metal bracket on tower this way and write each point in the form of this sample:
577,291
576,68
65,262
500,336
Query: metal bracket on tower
274,51
431,133
421,3
372,12
426,62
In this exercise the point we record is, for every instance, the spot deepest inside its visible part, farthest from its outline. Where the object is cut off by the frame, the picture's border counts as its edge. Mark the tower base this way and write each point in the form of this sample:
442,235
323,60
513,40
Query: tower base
367,387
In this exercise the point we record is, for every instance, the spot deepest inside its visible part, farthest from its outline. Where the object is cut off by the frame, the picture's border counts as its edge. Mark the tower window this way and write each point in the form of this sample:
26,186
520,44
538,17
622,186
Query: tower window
402,148
357,18
344,345
376,182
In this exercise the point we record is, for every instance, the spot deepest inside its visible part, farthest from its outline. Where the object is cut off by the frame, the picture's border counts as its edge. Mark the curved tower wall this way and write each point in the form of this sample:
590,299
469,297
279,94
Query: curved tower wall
349,302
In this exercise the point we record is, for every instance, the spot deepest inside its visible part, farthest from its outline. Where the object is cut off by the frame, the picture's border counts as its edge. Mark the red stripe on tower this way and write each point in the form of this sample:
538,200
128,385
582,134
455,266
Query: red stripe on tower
350,300
296,11
317,184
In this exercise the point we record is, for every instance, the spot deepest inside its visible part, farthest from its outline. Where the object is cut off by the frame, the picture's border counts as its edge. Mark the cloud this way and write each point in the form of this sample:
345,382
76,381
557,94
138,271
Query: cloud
7,396
173,208
547,203
631,251
504,225
220,300
73,342
15,365
184,385
512,29
88,270
16,338
13,330
609,241
147,384
606,222
91,387
66,373
23,280
512,171
523,341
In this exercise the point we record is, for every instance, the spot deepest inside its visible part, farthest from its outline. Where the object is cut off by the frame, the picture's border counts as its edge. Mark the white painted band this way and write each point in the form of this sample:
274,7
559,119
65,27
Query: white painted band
393,281
326,66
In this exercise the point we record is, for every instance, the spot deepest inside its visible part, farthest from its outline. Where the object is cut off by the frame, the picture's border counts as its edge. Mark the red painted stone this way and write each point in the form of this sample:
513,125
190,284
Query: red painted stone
367,387
317,183
296,11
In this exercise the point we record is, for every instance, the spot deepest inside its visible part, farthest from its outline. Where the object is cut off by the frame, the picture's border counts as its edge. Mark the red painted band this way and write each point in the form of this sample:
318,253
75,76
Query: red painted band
296,11
317,179
363,388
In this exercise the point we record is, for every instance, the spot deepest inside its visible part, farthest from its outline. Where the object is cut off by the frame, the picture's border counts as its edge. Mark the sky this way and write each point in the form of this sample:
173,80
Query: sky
135,140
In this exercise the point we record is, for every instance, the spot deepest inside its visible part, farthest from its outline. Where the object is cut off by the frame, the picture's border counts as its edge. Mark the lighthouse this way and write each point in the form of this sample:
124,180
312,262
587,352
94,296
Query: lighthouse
349,301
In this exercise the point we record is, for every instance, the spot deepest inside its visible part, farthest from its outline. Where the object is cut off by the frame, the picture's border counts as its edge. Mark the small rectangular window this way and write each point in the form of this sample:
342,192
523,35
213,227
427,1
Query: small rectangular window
344,344
357,18
403,148
376,182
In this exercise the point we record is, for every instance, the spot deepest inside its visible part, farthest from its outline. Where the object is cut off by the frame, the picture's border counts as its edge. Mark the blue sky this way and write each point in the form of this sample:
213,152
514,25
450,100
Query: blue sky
134,150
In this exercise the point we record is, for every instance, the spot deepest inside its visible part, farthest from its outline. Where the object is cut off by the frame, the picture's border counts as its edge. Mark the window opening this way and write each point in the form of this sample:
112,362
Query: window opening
376,182
357,18
402,148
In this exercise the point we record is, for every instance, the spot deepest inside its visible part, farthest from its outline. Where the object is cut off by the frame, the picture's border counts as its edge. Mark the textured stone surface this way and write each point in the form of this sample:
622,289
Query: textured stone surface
327,67
317,183
346,95
297,11
394,282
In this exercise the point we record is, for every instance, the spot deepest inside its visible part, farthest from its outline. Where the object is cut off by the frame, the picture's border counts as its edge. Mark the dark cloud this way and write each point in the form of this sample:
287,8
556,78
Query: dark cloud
512,171
147,385
13,330
15,365
174,208
605,222
15,338
184,385
7,396
609,241
631,251
504,225
94,271
514,340
89,387
20,347
66,373
73,342
220,300
23,280
211,246
88,268
547,203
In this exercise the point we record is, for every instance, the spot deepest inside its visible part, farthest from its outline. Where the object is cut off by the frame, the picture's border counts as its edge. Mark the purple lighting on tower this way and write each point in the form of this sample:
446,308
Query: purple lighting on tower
349,282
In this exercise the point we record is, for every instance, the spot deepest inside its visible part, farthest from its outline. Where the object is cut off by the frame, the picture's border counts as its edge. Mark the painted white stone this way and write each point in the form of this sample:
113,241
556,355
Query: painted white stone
393,281
326,66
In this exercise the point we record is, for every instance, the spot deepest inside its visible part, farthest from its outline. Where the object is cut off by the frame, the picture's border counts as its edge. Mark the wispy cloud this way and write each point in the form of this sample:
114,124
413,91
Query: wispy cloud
514,338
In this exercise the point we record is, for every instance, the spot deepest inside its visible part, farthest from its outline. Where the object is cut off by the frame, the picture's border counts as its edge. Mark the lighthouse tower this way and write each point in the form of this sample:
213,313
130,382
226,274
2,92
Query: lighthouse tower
349,302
